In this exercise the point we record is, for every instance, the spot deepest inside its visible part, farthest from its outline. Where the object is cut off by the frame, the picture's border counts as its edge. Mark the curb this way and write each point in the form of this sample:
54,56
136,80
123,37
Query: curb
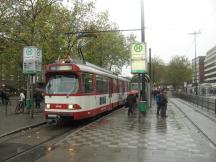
23,128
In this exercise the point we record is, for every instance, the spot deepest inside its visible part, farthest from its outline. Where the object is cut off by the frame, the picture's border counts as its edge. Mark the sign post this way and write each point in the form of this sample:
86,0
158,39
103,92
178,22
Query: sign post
139,66
32,60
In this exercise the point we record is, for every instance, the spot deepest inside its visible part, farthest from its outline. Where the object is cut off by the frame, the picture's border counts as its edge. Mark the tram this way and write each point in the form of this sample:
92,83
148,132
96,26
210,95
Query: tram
79,90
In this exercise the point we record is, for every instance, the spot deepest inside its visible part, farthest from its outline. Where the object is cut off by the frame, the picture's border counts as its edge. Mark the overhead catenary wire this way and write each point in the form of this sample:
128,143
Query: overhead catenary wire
203,27
102,31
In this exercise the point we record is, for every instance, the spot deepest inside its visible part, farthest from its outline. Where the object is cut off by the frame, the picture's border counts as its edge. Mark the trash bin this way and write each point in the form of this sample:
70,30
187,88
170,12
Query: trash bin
143,106
28,104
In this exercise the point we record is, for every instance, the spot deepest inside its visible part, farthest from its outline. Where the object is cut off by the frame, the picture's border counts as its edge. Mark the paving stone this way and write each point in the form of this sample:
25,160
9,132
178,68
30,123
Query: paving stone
118,138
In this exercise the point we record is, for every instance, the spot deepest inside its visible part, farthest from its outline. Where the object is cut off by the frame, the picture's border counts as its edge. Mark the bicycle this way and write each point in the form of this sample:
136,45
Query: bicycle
19,107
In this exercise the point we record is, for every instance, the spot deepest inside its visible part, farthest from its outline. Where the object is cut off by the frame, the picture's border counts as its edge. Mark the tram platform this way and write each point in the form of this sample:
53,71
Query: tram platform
137,138
11,122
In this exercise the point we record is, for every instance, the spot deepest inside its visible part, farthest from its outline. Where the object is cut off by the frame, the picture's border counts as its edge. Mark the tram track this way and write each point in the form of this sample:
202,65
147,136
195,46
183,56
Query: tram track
200,130
211,118
31,148
22,129
50,141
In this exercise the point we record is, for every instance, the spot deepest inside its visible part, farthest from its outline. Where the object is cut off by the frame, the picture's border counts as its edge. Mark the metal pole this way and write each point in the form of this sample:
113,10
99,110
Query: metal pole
32,96
143,41
143,87
142,22
150,76
139,86
28,92
195,68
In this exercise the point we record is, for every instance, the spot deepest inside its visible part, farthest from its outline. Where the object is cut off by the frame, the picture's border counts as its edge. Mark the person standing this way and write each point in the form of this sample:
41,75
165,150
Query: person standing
131,100
155,92
38,97
22,99
7,99
2,96
158,101
164,102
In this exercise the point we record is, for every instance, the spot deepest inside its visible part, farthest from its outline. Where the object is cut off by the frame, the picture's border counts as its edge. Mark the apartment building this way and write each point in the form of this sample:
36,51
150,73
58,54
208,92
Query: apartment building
198,70
210,66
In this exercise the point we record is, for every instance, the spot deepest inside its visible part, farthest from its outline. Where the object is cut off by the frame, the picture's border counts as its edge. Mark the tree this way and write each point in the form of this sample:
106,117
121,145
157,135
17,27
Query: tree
179,71
44,24
110,49
158,71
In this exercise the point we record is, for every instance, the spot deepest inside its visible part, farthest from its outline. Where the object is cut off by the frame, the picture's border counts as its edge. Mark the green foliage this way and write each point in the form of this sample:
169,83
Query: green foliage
179,71
158,71
175,73
44,24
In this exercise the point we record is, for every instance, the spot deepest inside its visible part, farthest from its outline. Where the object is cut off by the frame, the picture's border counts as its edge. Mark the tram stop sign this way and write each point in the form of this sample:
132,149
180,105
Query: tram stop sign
32,60
138,58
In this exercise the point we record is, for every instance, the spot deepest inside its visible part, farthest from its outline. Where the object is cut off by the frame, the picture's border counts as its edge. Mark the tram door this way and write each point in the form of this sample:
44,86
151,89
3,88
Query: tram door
110,91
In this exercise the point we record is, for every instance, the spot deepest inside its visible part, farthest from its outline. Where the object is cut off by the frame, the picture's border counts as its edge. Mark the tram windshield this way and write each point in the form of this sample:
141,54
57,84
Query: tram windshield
62,84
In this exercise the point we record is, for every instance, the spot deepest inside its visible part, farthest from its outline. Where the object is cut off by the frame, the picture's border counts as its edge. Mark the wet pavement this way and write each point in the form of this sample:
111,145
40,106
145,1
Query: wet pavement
150,138
206,123
11,122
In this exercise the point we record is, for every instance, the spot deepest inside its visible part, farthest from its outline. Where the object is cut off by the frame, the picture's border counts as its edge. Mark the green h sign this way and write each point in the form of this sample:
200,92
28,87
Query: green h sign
138,49
138,58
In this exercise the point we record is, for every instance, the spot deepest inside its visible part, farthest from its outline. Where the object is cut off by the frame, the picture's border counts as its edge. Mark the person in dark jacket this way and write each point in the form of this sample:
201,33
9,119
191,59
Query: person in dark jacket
3,96
7,99
131,100
158,101
164,102
38,98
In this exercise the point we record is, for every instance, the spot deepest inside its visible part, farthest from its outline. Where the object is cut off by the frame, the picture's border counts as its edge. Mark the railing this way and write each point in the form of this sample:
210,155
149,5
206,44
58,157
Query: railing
204,102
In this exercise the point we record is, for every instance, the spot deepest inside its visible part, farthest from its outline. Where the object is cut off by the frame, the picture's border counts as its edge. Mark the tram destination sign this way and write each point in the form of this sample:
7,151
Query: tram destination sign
138,58
60,68
32,60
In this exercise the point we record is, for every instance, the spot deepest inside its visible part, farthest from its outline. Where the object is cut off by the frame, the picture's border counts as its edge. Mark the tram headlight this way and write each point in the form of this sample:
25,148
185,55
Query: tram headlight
70,106
47,106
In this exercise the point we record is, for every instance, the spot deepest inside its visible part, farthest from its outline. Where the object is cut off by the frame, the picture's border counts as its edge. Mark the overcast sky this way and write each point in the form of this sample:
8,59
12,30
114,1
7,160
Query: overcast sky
168,23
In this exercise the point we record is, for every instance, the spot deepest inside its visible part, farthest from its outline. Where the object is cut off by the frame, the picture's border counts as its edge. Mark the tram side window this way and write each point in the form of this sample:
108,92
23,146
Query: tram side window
129,87
102,84
125,87
121,86
114,85
87,83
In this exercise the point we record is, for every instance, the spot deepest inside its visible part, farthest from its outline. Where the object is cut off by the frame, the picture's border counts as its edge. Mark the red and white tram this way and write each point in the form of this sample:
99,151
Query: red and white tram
78,91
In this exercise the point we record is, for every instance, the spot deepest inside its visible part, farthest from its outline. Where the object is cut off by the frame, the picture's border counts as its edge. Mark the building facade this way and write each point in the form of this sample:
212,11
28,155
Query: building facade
198,70
210,66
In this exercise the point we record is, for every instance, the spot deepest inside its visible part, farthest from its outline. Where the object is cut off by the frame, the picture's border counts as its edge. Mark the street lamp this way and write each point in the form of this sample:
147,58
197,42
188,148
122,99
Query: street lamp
195,68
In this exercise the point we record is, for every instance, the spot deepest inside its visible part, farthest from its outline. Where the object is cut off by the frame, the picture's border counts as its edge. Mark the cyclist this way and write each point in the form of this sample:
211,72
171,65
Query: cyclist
22,98
20,105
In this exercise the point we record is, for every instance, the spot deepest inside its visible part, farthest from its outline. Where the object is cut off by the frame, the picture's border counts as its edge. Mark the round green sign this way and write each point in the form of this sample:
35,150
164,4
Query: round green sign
29,51
138,47
38,52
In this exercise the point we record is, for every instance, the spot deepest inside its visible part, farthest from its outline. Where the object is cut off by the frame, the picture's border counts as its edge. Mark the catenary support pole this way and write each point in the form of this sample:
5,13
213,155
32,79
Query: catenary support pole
143,41
150,76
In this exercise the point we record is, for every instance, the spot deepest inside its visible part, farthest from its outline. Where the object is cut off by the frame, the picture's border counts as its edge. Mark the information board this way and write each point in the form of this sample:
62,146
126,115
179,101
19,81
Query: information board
32,60
138,58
